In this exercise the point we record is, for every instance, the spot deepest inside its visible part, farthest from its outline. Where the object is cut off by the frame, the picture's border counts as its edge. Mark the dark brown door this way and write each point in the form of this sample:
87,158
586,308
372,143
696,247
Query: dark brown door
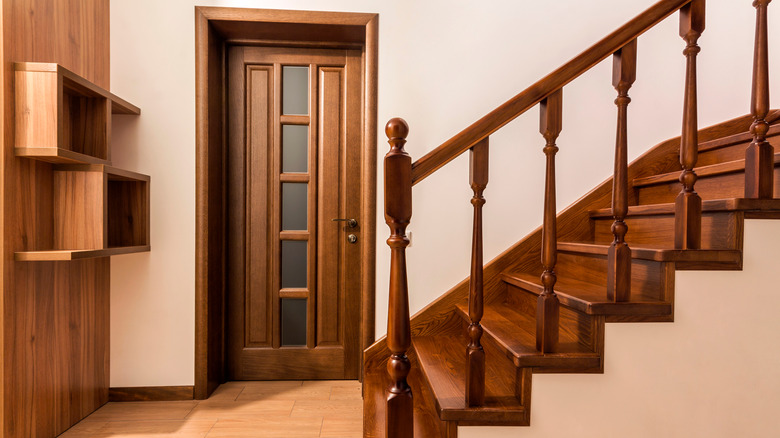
293,166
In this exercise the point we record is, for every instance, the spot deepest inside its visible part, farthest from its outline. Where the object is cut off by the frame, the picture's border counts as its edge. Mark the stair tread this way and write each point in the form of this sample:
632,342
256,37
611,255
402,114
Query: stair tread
588,297
658,253
702,171
443,362
709,205
515,334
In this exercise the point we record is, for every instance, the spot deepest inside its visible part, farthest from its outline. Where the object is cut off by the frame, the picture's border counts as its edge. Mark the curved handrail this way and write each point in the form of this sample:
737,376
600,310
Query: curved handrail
527,99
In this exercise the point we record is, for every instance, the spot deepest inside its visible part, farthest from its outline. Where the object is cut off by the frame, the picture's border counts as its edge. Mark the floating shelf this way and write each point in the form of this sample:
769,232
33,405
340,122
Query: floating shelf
58,155
76,254
98,211
61,117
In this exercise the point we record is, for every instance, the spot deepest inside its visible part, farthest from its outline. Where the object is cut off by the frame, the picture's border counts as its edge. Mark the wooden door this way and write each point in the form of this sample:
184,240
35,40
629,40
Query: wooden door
293,166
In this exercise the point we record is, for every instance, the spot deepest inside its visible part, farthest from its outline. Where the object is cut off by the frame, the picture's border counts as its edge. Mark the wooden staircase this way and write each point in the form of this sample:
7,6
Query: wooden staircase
518,305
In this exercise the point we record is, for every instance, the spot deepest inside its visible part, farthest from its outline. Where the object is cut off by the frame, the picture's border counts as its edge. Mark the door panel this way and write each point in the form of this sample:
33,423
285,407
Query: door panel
293,278
330,137
260,89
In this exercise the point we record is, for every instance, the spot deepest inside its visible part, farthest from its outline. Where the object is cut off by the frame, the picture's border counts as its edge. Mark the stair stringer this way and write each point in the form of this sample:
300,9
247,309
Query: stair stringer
711,373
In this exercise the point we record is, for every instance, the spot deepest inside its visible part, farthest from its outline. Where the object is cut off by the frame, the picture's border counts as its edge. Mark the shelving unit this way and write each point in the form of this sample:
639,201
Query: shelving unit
61,117
97,210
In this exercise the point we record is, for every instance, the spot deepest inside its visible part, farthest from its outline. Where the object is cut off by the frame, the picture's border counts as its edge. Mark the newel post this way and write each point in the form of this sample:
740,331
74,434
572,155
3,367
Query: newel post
398,213
760,155
687,216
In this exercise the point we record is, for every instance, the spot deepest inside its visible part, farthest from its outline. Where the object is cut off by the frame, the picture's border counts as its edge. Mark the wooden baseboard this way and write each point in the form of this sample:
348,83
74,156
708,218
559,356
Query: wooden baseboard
150,393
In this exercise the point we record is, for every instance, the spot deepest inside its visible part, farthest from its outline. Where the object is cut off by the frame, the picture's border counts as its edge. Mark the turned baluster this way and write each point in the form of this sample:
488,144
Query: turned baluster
619,255
687,216
398,213
760,155
547,310
475,355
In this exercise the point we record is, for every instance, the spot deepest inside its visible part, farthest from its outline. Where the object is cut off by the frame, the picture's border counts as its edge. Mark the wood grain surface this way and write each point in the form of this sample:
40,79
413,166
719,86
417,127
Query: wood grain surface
55,325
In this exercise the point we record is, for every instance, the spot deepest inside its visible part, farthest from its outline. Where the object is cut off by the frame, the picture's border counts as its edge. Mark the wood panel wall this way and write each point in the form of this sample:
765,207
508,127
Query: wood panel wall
55,325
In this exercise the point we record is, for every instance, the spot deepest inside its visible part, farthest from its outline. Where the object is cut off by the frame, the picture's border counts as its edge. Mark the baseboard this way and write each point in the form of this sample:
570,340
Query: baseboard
150,393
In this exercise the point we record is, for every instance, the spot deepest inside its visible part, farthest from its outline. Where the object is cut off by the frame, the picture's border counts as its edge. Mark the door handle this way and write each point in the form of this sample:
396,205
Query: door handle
352,223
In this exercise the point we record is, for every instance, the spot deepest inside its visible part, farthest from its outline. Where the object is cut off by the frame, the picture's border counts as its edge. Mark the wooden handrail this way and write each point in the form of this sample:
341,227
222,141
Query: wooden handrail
527,99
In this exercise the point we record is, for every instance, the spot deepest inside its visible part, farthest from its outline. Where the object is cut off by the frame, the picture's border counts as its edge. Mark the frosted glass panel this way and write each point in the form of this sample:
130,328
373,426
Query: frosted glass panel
293,321
295,148
294,264
294,203
295,90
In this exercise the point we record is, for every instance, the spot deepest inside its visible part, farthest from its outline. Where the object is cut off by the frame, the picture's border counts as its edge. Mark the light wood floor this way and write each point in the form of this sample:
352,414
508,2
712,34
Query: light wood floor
238,409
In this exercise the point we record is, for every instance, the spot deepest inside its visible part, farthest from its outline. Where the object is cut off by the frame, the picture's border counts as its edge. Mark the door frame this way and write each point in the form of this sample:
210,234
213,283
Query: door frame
215,29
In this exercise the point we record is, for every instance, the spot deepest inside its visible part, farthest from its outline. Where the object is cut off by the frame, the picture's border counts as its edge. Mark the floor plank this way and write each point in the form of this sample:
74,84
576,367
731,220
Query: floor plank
341,427
267,427
328,408
241,409
125,411
253,392
177,428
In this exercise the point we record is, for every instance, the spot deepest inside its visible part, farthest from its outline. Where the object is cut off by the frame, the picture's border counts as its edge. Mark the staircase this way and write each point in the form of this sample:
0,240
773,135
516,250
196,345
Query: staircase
542,305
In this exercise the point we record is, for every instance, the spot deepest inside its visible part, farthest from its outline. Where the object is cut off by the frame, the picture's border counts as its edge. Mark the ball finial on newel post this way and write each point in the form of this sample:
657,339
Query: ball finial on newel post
397,130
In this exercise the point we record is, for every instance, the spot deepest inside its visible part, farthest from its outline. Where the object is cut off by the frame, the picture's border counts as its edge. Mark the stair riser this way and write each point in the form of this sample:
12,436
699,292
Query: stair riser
730,185
720,230
648,278
731,153
574,326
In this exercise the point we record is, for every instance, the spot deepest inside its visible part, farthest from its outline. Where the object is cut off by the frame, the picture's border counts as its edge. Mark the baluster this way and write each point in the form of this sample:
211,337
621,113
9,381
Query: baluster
759,157
687,216
398,213
547,305
619,255
475,355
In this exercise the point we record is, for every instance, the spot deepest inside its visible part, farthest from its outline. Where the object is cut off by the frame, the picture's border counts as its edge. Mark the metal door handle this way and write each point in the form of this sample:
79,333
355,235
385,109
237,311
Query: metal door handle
352,223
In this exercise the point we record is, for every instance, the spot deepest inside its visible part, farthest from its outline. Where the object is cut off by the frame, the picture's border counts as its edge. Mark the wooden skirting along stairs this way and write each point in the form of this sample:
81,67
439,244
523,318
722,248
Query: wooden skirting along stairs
467,359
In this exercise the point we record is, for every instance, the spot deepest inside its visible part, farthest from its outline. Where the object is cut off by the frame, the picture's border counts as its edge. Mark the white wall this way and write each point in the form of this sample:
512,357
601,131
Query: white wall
712,373
442,65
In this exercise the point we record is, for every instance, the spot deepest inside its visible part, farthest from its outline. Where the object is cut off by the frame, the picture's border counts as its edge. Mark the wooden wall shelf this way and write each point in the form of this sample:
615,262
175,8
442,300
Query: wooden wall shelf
76,254
98,211
61,117
64,119
58,156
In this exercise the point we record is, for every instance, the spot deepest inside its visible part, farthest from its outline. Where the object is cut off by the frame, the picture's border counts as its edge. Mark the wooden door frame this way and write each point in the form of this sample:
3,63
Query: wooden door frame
215,29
